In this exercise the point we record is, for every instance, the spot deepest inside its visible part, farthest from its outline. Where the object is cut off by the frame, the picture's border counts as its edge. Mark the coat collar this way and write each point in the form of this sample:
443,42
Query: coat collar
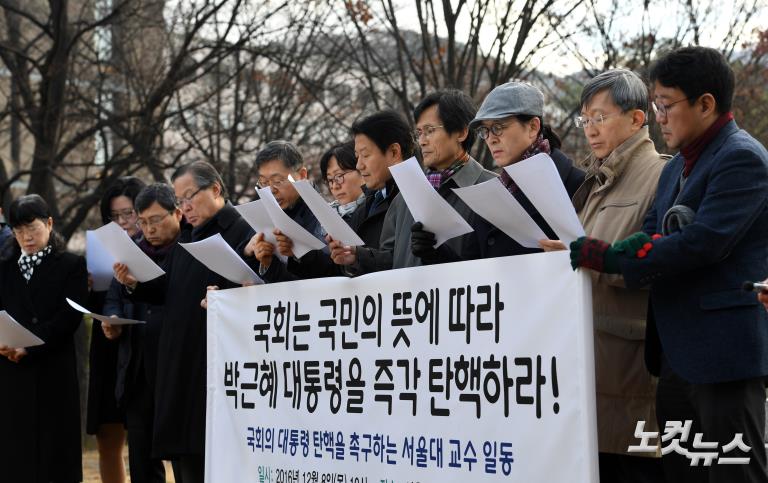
708,154
221,221
606,171
668,197
729,129
468,175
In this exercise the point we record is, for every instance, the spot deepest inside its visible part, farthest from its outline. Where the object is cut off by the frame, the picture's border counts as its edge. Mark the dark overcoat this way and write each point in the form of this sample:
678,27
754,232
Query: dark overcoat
40,405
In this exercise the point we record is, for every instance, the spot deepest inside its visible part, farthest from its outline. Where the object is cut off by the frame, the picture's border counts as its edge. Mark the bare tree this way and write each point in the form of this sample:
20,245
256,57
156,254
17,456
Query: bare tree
73,90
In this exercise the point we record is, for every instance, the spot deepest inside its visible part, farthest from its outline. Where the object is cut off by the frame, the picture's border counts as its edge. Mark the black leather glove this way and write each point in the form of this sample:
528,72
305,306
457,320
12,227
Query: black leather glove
423,246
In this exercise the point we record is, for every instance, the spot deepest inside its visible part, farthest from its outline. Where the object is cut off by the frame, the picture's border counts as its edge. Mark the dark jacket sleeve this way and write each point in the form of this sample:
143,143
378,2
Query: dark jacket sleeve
115,302
381,258
151,292
314,264
65,320
277,272
734,198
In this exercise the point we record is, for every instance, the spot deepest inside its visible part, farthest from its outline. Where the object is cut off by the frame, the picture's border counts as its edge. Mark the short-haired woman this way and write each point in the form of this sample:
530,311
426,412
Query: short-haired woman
338,169
40,405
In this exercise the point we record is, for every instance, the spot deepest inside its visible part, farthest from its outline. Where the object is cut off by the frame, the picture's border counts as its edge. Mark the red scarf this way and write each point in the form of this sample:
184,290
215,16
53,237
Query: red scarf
692,152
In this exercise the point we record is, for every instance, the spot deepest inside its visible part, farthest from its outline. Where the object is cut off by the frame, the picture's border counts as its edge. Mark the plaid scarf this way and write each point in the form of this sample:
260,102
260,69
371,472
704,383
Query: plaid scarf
437,178
27,263
540,145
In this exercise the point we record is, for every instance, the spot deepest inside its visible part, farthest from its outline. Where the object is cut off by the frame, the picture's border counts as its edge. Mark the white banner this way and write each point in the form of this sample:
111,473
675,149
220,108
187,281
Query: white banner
476,371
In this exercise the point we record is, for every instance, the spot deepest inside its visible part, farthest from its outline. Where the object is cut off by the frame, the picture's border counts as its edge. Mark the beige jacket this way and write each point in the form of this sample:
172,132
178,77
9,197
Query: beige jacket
612,204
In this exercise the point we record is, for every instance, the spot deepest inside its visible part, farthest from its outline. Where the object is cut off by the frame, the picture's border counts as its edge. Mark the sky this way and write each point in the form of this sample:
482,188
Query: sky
663,17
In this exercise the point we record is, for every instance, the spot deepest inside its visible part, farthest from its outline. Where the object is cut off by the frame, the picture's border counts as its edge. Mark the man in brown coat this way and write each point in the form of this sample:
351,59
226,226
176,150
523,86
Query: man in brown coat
622,173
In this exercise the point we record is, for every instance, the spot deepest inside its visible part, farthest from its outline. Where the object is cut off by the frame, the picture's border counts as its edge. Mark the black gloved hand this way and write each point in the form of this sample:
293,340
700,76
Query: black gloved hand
423,246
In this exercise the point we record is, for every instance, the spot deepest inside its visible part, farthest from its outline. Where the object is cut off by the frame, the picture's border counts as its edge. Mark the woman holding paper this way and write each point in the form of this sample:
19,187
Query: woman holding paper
105,419
510,122
40,405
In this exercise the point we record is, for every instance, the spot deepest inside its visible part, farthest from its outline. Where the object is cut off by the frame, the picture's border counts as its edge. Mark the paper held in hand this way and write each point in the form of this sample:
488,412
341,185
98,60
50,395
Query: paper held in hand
103,318
117,242
220,258
99,262
303,241
13,334
256,215
426,205
333,223
538,178
492,201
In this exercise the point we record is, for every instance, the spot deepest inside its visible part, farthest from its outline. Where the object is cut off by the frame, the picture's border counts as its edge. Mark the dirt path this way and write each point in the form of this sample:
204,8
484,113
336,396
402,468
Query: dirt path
91,467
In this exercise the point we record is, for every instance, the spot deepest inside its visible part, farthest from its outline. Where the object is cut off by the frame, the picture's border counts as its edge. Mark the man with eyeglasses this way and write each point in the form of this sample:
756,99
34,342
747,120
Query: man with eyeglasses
622,173
179,423
276,163
160,220
442,131
705,234
381,140
511,122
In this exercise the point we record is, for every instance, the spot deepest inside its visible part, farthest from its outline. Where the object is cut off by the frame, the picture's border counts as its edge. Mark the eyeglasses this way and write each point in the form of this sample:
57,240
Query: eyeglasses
274,182
188,199
124,214
426,131
599,120
496,129
152,221
338,179
30,229
661,109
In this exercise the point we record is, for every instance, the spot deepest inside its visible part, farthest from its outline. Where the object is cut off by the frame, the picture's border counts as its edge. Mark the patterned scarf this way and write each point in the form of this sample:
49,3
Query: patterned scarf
540,145
27,263
348,208
437,178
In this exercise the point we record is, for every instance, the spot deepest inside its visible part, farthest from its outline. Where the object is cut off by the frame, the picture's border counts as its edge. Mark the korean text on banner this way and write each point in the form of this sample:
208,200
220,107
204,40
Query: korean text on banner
457,372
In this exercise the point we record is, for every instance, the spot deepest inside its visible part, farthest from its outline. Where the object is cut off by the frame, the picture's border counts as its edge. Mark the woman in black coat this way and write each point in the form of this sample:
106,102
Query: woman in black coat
40,407
105,418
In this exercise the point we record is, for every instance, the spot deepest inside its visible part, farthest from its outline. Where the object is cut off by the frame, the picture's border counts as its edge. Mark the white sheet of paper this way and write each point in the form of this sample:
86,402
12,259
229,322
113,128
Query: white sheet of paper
256,216
492,201
426,205
333,223
303,241
219,257
538,178
99,262
117,242
13,334
103,318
